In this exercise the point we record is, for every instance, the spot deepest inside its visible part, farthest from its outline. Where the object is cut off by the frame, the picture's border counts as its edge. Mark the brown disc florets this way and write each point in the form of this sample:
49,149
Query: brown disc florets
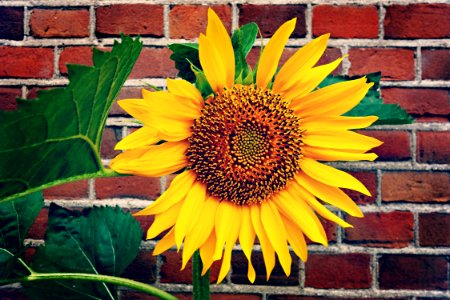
246,145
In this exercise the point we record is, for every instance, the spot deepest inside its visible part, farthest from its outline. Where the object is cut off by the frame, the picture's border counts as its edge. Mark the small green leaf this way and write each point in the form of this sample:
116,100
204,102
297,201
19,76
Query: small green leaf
243,39
101,240
56,137
184,55
372,104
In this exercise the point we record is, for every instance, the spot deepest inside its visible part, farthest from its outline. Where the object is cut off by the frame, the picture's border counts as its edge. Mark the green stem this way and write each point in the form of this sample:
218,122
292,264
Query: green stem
139,286
201,283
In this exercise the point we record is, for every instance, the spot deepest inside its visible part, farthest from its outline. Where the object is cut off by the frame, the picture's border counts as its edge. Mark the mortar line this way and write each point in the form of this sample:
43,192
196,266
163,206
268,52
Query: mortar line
91,189
234,16
418,62
56,56
413,146
416,233
381,15
308,20
346,63
374,271
378,200
26,23
166,20
92,22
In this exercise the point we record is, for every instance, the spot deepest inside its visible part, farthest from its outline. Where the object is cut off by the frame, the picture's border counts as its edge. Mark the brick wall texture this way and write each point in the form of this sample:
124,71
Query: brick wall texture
400,250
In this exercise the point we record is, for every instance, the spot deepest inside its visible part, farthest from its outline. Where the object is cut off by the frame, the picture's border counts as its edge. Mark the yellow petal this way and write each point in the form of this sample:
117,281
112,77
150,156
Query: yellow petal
144,136
334,155
207,252
304,85
175,193
190,211
300,63
271,54
165,243
332,100
137,108
201,229
247,240
337,122
233,234
225,212
301,214
183,88
212,64
331,176
164,221
157,160
329,194
274,228
266,247
339,139
218,36
296,239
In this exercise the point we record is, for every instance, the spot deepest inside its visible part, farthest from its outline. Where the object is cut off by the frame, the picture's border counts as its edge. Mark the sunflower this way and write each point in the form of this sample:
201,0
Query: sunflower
247,158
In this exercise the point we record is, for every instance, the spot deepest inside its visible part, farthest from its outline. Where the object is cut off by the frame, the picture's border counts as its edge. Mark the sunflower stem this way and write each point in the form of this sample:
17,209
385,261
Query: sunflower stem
201,283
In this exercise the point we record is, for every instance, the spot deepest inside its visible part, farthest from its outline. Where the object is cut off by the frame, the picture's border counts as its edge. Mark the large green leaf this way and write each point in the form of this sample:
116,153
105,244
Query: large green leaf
243,39
372,104
185,55
101,240
56,137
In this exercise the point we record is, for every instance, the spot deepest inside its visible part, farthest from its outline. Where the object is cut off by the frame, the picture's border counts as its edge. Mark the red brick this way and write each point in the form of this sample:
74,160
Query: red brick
239,264
171,269
417,21
270,17
188,21
143,268
419,187
109,140
369,179
11,23
154,62
436,63
72,190
395,144
37,230
130,186
34,90
349,271
419,102
8,97
26,62
75,55
132,19
345,21
394,64
434,229
46,23
433,147
295,297
132,295
330,231
125,93
146,222
392,230
413,272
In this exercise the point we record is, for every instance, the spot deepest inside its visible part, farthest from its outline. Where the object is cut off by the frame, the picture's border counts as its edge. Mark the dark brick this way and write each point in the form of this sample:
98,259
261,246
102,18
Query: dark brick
143,268
369,179
436,63
434,229
433,147
11,23
8,97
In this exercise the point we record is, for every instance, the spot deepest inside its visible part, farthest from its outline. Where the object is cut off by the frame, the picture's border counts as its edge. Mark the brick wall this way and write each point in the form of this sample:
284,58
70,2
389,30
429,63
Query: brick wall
399,250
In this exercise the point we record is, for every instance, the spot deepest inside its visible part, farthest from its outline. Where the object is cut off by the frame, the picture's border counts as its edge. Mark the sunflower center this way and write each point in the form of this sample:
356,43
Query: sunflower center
246,145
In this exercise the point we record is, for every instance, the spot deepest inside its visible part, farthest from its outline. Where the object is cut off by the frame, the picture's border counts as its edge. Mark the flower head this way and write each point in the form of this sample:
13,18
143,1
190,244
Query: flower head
248,155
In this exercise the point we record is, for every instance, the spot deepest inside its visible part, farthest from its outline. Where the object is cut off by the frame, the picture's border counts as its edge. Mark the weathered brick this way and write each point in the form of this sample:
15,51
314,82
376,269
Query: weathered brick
345,21
369,179
154,62
26,62
37,230
436,63
72,190
188,21
13,294
143,268
413,272
131,295
8,97
131,186
132,19
11,23
419,102
296,297
433,147
394,64
171,269
46,23
420,187
392,230
417,21
239,265
434,229
270,17
75,55
109,140
348,271
395,144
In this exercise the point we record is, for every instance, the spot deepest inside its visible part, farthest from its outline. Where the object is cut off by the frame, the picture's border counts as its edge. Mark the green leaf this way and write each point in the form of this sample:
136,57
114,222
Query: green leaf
372,104
243,39
56,138
101,240
184,55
